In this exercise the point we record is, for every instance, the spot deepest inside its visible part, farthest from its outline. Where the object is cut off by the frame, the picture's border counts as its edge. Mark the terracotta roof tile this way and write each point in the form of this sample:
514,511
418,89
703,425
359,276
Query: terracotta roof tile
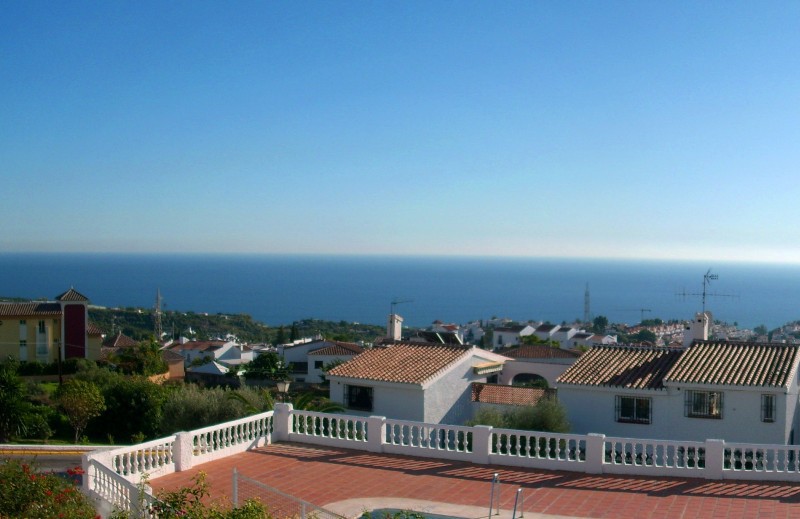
72,295
539,351
621,366
508,395
338,348
406,363
31,309
120,341
736,364
94,329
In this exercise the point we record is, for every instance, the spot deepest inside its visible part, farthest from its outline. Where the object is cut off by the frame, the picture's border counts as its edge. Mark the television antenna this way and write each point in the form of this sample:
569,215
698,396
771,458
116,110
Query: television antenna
708,277
396,302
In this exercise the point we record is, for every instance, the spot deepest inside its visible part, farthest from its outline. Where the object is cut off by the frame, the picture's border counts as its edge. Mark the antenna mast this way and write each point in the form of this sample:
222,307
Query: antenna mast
157,316
708,277
396,302
586,313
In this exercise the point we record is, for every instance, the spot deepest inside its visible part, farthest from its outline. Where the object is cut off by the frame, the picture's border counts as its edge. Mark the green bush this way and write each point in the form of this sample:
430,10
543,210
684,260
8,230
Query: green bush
190,407
28,494
547,415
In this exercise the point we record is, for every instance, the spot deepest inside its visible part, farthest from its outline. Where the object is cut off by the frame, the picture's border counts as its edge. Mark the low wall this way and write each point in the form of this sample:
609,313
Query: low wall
590,454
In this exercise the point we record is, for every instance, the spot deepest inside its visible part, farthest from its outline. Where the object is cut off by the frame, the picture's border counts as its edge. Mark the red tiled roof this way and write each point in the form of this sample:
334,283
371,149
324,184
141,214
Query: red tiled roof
338,348
508,395
171,357
120,341
31,309
72,295
736,364
621,366
539,351
94,329
197,345
406,363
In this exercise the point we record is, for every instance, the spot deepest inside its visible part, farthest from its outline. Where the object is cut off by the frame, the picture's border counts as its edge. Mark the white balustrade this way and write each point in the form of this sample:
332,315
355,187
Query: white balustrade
538,449
328,429
217,441
428,440
155,458
114,474
116,490
644,456
765,462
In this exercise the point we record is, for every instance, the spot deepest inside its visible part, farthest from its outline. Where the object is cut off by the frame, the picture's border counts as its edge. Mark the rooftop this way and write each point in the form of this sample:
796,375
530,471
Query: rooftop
404,362
540,351
349,482
621,366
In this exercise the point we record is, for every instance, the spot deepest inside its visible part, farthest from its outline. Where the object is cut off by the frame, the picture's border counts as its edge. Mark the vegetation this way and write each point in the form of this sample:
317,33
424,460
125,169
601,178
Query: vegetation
29,494
192,503
547,415
137,323
600,324
80,401
143,359
268,366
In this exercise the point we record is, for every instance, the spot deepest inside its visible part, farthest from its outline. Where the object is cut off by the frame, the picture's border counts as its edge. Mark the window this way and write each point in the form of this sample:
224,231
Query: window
767,408
704,404
632,409
359,397
23,350
41,327
317,364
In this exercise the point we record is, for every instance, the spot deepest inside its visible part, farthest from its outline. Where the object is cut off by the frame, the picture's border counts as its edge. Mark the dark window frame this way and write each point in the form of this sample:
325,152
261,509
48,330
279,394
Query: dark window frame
633,409
768,408
359,398
704,404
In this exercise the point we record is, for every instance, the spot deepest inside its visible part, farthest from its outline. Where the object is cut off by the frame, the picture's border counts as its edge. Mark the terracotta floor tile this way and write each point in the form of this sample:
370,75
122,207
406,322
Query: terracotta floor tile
324,475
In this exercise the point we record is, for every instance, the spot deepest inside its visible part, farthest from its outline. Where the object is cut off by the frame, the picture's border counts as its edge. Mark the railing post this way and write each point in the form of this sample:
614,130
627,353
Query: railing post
481,444
376,433
715,454
183,451
595,453
282,422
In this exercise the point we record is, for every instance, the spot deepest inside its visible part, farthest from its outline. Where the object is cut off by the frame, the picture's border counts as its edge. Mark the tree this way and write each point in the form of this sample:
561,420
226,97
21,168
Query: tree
600,324
143,359
644,336
133,409
293,333
760,330
267,365
327,367
281,337
547,415
80,401
14,409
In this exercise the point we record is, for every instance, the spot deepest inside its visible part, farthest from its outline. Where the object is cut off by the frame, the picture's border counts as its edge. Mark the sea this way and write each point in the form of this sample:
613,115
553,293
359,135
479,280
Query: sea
280,289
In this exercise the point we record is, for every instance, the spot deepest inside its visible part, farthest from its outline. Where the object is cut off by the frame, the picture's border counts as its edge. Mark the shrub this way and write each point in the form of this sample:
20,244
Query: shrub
28,494
190,407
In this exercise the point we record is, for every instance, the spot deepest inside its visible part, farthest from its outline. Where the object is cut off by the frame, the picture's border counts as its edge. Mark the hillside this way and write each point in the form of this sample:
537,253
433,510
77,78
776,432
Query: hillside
138,324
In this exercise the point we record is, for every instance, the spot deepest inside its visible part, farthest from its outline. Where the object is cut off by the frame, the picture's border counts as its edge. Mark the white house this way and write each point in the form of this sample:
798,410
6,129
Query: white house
546,331
739,392
192,350
307,360
530,362
332,351
510,335
413,381
563,335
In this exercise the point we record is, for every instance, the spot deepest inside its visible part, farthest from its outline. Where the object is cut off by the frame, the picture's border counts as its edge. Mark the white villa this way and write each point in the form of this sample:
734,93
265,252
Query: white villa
414,381
735,391
307,358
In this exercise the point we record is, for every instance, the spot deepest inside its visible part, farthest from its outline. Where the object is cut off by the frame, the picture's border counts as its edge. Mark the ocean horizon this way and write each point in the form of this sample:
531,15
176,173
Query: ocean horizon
279,289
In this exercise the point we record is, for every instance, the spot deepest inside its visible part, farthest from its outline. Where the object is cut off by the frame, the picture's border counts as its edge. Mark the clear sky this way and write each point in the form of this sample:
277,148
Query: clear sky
537,128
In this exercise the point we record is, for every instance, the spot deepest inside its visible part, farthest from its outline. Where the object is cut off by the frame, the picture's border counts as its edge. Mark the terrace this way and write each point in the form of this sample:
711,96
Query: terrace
339,462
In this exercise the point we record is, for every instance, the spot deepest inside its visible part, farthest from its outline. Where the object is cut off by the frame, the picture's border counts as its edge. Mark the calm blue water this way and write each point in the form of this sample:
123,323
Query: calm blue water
281,289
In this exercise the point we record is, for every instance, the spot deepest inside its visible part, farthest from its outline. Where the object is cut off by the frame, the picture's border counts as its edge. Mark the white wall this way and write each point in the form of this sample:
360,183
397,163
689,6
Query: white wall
549,370
399,401
591,410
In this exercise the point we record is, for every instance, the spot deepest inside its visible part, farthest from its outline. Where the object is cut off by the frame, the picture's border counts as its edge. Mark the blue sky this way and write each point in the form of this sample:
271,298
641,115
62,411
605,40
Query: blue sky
582,129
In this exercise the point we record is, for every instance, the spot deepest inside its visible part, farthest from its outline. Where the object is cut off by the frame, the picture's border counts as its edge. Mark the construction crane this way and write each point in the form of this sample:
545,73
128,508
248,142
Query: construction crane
640,310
